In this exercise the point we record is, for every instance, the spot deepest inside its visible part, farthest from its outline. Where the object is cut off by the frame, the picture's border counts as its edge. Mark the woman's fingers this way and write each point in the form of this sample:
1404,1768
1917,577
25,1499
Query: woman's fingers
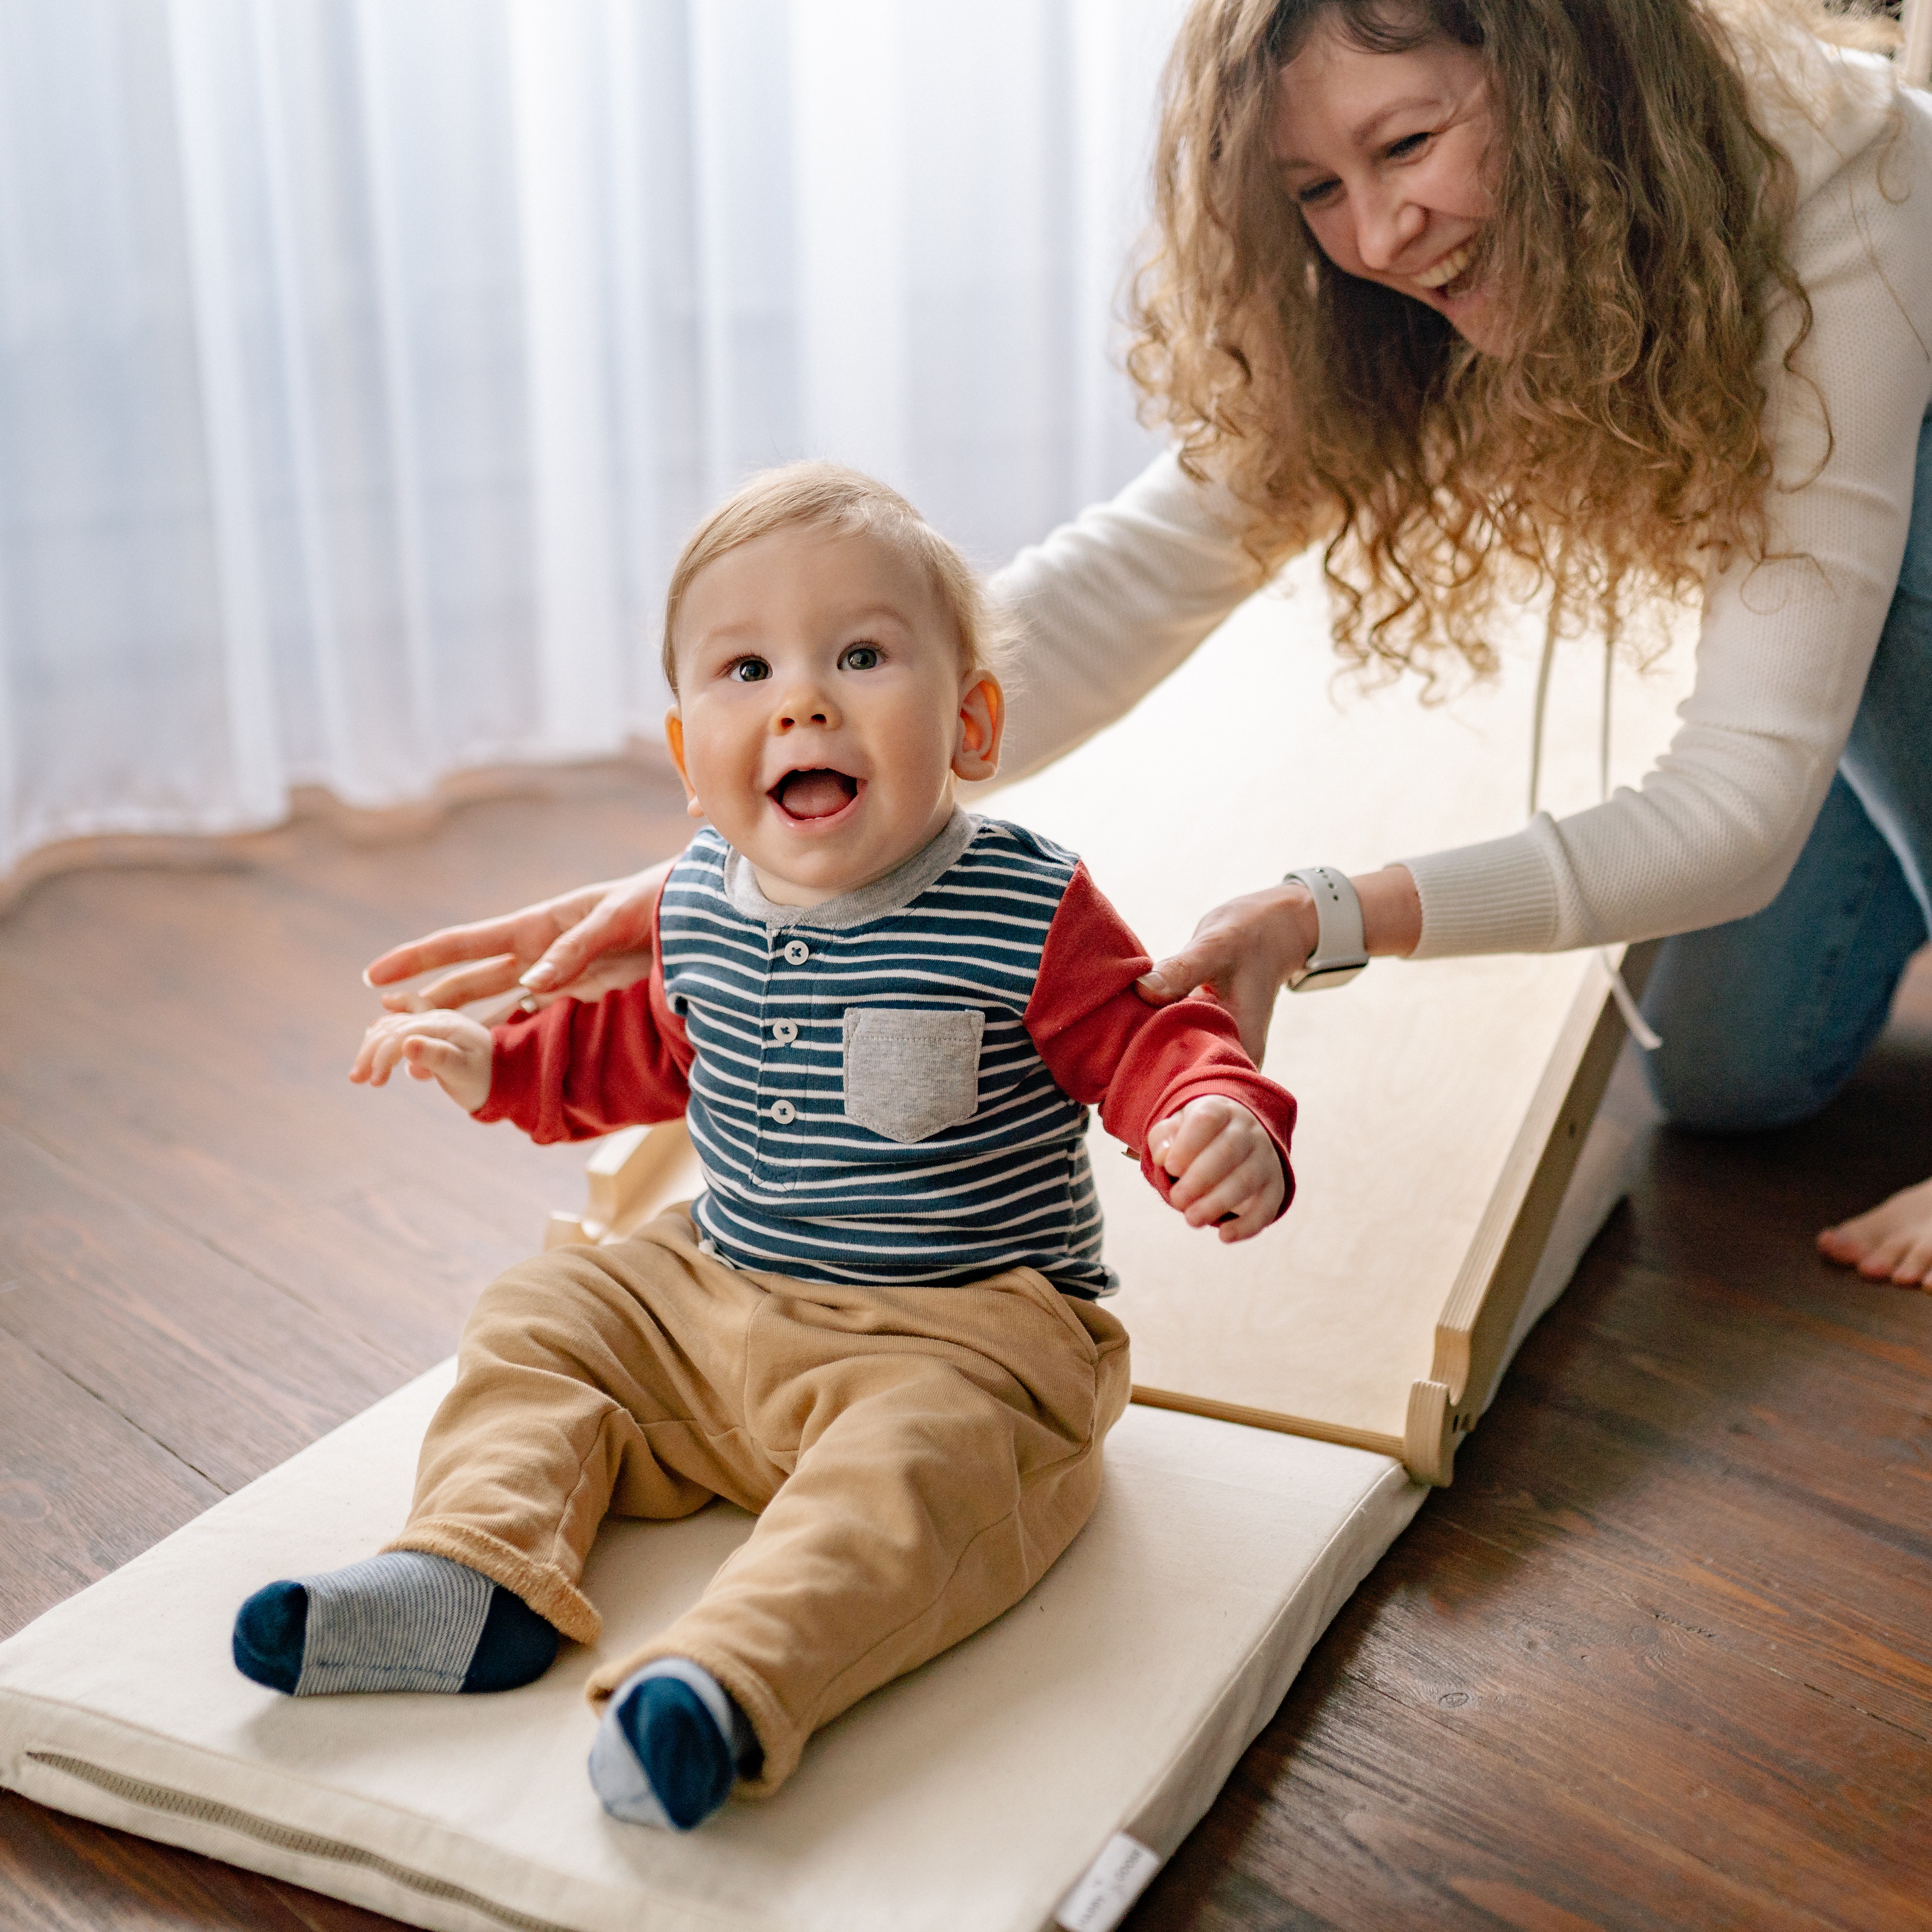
619,922
450,946
522,935
1244,950
488,978
1170,979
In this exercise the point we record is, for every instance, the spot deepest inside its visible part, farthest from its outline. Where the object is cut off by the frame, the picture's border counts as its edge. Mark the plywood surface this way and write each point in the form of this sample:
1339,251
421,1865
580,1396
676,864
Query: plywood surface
1414,1080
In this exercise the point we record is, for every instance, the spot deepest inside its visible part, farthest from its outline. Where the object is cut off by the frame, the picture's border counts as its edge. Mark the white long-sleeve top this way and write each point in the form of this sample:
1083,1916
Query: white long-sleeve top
1112,602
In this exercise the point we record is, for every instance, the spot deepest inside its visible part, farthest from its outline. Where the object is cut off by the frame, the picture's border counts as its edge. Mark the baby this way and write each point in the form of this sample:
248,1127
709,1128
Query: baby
878,1328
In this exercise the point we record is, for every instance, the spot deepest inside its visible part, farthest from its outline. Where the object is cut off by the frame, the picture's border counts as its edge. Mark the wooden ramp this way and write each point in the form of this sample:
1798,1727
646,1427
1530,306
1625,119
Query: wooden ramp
1444,1105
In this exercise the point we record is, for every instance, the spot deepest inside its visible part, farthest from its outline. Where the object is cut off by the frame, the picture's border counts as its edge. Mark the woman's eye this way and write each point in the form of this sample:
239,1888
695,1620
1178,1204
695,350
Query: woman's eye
1316,193
748,670
1408,145
859,657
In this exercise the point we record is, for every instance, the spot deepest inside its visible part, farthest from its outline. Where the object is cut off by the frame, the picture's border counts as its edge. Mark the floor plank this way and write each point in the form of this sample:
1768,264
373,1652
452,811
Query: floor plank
82,1489
1659,1658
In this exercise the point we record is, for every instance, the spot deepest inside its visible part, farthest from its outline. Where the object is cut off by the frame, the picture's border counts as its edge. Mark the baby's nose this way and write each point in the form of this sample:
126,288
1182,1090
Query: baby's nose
803,707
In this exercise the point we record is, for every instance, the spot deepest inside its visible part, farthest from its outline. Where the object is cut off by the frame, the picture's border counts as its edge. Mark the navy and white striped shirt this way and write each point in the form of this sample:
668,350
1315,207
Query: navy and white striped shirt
851,1129
891,1086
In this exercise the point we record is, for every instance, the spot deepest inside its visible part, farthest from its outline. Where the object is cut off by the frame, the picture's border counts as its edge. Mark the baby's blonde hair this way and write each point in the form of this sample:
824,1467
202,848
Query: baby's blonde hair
843,502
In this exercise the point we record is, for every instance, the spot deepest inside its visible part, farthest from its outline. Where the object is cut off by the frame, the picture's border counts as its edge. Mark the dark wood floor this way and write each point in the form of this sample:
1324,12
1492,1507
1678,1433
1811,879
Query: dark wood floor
1661,1657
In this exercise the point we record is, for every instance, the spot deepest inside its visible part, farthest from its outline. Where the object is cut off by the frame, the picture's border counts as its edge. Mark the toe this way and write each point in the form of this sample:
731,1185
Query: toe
270,1629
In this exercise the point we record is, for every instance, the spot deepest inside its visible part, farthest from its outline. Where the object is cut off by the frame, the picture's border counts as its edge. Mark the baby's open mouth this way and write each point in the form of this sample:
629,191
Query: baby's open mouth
816,793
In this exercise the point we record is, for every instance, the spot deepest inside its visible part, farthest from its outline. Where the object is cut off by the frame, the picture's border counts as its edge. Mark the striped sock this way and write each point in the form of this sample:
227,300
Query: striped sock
403,1620
672,1743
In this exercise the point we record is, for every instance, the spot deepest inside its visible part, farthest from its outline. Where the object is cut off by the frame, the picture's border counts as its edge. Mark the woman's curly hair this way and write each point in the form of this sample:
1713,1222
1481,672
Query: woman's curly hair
1636,256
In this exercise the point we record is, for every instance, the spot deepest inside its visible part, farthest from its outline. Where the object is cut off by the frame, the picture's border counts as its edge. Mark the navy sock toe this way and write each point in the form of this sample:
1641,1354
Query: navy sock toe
687,1761
269,1630
517,1646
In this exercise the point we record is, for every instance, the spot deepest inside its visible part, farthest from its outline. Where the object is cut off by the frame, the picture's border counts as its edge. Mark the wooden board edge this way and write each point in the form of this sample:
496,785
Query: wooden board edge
1480,1315
1262,1418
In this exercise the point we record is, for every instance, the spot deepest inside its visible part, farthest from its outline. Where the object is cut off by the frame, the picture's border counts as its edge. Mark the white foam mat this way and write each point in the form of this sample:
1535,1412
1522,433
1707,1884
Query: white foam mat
972,1796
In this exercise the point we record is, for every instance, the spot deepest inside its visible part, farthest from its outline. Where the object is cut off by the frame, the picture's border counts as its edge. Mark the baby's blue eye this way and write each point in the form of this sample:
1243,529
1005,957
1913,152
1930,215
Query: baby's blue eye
748,670
859,657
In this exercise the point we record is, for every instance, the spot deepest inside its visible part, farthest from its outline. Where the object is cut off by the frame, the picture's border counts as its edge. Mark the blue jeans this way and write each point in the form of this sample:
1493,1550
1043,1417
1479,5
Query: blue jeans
1763,1020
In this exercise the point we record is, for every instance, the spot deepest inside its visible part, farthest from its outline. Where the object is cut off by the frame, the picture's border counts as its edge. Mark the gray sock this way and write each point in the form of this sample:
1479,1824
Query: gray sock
403,1620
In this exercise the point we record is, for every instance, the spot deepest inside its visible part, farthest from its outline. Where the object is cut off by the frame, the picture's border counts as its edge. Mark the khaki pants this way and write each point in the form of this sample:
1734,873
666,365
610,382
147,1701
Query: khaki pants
919,1457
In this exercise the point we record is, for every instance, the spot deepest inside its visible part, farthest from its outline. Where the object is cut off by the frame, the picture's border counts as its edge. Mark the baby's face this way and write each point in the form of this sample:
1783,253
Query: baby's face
822,712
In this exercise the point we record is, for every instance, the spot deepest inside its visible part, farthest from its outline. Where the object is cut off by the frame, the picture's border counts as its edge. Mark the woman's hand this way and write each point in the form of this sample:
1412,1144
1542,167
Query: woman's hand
1246,949
585,943
1226,1171
449,1048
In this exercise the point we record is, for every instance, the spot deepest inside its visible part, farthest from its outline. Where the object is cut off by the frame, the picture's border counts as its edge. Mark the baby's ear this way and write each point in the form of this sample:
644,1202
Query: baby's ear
982,722
674,738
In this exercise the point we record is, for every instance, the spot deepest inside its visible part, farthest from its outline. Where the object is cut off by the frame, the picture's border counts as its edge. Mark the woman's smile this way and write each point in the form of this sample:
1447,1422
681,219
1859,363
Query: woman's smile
1441,273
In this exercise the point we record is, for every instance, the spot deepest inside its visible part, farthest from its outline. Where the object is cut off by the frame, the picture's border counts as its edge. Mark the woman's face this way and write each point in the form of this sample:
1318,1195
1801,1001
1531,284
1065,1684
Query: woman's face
1387,156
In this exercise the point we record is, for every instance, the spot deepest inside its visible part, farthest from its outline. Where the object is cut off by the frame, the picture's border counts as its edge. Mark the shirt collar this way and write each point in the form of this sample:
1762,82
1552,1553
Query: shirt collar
896,890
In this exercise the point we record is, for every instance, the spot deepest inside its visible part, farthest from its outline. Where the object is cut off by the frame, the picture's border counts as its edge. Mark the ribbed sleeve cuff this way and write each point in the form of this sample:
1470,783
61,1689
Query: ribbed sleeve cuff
1500,897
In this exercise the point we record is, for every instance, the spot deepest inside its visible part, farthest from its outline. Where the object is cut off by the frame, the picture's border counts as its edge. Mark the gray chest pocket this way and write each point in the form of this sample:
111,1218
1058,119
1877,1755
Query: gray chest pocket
909,1075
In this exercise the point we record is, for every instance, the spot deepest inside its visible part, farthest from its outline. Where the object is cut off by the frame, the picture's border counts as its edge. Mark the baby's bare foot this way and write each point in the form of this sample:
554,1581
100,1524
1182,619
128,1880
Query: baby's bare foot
1891,1242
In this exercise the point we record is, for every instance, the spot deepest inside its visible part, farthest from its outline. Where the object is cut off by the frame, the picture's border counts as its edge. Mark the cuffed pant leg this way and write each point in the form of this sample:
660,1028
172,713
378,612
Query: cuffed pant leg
588,1382
945,1449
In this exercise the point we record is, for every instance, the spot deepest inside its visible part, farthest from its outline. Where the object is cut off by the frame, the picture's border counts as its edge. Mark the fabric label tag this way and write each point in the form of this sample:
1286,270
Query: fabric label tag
1112,1882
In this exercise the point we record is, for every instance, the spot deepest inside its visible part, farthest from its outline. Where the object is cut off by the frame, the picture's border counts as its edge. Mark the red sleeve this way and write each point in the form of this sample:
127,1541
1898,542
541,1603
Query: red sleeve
1106,1045
579,1069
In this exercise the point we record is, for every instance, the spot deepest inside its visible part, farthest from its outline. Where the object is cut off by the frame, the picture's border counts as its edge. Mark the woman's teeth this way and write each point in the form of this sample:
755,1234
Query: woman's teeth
1445,272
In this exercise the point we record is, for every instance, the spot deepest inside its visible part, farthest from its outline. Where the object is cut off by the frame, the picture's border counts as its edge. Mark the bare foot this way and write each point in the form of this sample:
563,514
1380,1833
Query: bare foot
1891,1242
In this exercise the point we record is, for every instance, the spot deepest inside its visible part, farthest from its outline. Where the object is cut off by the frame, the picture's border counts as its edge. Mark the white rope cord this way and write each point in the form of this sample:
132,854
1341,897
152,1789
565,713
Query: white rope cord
1640,1029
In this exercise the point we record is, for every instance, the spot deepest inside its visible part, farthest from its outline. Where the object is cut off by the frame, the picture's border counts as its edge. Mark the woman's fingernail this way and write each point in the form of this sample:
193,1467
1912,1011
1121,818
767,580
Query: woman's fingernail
538,977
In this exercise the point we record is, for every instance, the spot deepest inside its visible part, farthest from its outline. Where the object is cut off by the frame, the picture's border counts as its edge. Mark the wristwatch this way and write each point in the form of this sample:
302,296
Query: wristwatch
1339,953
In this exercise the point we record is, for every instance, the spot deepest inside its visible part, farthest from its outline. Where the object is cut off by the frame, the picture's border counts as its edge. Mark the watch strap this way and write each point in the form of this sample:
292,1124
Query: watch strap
1340,951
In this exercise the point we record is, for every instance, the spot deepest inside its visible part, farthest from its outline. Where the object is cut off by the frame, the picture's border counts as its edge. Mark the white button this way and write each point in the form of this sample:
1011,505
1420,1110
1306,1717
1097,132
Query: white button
784,1031
796,953
784,1112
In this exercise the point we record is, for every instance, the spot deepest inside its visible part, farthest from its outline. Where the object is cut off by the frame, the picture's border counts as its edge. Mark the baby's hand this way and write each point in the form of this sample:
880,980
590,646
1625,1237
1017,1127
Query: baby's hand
1226,1169
438,1045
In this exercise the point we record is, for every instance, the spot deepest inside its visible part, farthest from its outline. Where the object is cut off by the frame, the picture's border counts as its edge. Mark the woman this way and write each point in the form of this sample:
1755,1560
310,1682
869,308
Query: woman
1624,299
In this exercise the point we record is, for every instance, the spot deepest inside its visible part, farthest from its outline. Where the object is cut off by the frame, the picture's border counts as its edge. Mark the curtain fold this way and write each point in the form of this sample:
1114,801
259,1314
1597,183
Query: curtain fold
363,363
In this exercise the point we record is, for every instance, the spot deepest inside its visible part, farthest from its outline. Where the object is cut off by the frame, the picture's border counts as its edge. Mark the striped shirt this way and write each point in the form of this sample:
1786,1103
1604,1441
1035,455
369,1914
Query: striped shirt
892,1086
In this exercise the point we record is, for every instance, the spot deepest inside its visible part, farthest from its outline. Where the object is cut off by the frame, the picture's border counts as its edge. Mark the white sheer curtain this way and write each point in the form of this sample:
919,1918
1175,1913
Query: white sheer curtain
363,362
